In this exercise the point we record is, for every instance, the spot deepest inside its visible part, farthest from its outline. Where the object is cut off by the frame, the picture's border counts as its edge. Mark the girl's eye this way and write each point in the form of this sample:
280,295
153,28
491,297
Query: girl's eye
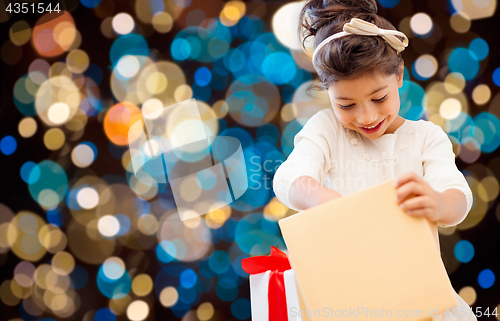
380,100
346,107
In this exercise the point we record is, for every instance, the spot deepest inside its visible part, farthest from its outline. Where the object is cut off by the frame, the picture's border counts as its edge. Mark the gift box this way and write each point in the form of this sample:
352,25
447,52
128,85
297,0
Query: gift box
360,256
273,290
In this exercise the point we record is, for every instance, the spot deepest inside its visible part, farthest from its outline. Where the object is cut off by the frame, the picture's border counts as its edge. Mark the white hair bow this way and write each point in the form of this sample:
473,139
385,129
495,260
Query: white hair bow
363,28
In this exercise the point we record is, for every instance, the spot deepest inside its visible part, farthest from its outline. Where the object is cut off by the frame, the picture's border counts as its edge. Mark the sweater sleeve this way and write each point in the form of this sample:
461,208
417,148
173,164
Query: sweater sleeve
440,170
310,157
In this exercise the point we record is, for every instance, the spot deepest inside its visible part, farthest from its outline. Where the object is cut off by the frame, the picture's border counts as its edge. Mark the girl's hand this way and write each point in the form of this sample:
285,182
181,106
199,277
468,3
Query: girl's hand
417,198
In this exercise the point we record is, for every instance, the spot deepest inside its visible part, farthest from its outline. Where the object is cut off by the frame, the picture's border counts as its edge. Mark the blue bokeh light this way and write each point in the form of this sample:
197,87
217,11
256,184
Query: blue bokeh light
413,101
389,3
180,49
188,278
279,68
202,76
166,251
104,314
479,48
463,61
489,124
125,224
496,76
486,278
219,262
240,308
113,288
8,145
79,277
30,172
130,44
255,235
464,251
90,3
226,290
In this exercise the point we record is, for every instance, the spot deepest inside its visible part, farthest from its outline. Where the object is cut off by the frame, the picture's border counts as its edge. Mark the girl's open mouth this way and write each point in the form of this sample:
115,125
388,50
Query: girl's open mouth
374,129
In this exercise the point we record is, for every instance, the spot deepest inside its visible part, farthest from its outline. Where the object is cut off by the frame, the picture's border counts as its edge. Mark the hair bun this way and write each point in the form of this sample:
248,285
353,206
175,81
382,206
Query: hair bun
355,6
316,14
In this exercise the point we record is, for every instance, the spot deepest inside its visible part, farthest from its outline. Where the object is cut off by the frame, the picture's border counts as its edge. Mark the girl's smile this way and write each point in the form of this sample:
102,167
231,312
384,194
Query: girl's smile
368,104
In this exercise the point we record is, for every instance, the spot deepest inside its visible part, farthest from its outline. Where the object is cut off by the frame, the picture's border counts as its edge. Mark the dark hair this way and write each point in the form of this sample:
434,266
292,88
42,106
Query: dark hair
350,56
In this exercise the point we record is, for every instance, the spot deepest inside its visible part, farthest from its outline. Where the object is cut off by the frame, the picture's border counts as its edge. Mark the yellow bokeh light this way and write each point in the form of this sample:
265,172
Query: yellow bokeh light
289,112
454,83
27,127
123,23
58,113
183,92
169,296
127,162
54,92
193,222
54,139
285,24
147,224
220,108
20,291
65,34
475,9
205,311
488,189
460,22
232,13
156,82
6,295
478,211
162,22
77,61
450,108
275,210
468,294
52,238
481,94
426,66
421,23
20,33
190,189
63,263
8,234
138,310
217,217
142,285
119,306
150,106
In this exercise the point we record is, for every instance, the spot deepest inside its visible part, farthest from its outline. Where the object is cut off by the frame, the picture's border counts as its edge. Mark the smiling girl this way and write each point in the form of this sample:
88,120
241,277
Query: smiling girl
362,141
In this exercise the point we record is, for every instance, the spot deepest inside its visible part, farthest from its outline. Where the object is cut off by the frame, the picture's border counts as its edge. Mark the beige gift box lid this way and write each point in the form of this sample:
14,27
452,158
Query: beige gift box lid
363,251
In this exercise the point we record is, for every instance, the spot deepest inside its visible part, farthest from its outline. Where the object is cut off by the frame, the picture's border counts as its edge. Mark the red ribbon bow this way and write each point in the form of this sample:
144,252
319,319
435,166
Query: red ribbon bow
277,262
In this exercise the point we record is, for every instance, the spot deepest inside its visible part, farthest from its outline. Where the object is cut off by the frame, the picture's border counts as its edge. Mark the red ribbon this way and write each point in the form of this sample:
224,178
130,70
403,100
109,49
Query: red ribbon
278,263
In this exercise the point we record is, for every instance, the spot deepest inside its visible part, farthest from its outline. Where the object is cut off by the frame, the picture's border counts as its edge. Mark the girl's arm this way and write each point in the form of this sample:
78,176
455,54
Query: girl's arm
447,208
456,206
306,192
443,194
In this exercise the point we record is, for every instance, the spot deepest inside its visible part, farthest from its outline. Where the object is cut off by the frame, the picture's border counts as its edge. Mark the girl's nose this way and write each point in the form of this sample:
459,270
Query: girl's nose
367,116
367,120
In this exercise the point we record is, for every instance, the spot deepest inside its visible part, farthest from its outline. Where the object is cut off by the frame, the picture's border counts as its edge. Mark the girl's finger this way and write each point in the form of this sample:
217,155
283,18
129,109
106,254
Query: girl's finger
405,178
416,203
408,189
420,212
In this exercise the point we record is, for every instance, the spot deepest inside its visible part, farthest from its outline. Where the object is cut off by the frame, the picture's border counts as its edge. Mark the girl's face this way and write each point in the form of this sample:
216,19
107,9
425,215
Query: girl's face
367,101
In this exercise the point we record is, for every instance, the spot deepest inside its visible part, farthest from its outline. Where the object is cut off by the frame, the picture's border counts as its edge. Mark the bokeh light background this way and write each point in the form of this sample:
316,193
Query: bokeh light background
82,239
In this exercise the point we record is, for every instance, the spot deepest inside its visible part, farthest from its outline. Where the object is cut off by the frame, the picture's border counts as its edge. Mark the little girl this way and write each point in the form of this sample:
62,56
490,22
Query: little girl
362,141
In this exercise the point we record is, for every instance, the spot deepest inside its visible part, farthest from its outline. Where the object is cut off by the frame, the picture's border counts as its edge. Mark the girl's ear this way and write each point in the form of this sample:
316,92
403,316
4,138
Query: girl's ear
401,72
